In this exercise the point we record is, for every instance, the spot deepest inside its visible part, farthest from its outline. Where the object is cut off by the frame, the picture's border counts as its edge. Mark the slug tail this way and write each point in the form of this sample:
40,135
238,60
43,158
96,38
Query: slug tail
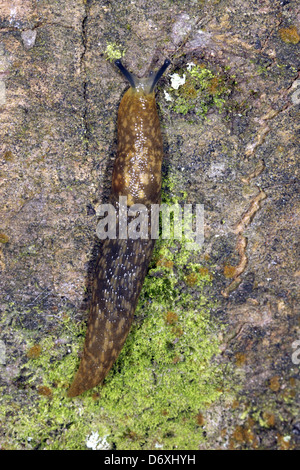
120,273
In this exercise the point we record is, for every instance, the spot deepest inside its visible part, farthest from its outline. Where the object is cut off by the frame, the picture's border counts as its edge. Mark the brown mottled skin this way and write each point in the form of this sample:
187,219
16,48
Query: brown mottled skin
122,264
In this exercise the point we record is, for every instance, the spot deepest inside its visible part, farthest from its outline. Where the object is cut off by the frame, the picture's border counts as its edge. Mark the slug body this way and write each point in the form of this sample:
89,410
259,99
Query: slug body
122,264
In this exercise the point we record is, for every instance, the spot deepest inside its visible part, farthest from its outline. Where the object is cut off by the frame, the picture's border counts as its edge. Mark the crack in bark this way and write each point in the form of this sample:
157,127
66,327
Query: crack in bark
86,131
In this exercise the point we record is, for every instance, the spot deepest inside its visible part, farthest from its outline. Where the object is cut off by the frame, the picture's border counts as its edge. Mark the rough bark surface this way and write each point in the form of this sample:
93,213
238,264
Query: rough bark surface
58,100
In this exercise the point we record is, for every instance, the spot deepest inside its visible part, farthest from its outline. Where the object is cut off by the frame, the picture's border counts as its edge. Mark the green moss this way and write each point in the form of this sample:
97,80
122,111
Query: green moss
164,377
197,89
113,51
289,35
4,238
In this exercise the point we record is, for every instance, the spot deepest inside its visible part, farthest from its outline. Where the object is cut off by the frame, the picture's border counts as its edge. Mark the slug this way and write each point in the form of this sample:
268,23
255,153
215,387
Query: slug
122,263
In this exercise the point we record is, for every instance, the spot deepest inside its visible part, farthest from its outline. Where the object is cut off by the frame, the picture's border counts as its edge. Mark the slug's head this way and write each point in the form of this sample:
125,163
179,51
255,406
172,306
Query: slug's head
143,85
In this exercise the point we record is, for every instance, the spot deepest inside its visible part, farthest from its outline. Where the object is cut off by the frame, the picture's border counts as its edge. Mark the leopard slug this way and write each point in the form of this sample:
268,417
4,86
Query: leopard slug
122,263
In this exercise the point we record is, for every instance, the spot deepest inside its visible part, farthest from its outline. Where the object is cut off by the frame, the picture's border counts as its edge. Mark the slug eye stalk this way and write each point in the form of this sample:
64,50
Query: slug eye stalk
125,72
159,73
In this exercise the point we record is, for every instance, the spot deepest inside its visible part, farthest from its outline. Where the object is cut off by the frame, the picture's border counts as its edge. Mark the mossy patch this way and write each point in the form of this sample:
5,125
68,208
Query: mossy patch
289,35
197,89
113,51
4,238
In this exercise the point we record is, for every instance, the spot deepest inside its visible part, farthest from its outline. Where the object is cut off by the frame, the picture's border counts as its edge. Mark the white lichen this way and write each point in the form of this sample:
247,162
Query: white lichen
190,65
168,97
177,81
95,442
159,446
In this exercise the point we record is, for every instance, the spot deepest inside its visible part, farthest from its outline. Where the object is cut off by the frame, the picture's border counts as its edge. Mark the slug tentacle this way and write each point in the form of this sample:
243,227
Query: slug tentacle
126,73
159,74
122,264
